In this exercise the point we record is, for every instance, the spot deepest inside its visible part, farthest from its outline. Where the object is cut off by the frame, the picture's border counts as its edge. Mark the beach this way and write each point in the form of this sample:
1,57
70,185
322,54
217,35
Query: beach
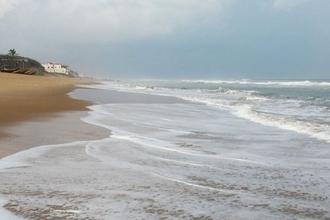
36,110
164,110
163,153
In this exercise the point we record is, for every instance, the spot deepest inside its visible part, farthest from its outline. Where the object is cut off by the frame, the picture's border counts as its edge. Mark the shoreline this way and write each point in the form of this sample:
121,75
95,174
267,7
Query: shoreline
38,110
41,125
164,152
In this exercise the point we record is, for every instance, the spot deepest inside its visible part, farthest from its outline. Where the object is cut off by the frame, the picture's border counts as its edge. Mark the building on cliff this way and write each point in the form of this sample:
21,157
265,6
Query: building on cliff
56,68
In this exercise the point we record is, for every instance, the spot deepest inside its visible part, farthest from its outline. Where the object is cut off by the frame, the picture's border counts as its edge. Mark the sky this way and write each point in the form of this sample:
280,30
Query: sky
169,39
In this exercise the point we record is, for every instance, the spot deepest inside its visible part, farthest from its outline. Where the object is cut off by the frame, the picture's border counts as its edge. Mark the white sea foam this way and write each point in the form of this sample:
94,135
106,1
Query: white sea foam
144,141
321,132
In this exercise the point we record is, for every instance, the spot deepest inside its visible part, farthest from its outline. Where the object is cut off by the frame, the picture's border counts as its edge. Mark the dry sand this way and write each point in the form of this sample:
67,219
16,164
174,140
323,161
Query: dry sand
32,112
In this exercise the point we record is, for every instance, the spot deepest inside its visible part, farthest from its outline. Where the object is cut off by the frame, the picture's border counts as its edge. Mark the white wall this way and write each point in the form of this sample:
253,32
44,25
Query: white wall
55,68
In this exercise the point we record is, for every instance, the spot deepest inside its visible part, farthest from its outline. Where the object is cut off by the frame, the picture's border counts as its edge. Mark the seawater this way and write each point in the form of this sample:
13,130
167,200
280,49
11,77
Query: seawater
301,106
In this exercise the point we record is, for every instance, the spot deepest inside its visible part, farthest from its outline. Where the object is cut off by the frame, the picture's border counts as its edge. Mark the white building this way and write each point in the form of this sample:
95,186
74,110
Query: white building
56,68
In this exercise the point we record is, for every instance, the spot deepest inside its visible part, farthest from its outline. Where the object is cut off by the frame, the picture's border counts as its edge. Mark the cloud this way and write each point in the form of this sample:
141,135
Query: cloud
109,20
287,4
6,6
170,36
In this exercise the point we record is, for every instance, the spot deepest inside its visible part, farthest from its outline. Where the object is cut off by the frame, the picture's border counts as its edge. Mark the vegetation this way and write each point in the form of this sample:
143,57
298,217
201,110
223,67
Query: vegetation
13,63
12,52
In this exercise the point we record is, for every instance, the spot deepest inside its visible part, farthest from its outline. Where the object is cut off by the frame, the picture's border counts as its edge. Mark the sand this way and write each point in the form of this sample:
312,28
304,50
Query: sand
37,110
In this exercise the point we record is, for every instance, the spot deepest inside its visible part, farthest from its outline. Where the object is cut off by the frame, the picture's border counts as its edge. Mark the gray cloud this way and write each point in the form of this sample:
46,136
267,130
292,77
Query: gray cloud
109,20
173,38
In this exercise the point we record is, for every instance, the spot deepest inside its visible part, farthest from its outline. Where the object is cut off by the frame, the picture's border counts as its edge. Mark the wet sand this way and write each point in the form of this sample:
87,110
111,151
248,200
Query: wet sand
37,110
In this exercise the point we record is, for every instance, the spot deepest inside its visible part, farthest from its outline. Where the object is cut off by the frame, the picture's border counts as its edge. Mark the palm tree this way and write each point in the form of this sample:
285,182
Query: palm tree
12,52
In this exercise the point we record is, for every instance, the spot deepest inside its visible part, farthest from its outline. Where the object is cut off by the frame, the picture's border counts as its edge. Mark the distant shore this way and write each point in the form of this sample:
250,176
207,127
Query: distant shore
29,109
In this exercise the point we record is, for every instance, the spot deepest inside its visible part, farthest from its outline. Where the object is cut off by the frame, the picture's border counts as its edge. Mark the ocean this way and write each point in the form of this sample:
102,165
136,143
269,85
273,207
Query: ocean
186,149
301,106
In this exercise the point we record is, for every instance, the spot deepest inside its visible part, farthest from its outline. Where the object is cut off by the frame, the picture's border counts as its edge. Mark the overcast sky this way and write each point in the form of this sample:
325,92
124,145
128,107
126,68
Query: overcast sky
204,39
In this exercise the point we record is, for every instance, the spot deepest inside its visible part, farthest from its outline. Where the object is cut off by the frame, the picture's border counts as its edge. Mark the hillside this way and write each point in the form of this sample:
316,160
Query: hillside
22,65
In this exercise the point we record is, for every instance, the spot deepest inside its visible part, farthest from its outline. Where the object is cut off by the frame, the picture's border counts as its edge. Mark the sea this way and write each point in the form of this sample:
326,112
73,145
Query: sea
300,106
185,149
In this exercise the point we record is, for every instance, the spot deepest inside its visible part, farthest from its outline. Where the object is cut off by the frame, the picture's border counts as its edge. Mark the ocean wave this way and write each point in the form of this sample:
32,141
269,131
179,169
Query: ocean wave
283,112
316,130
264,83
282,116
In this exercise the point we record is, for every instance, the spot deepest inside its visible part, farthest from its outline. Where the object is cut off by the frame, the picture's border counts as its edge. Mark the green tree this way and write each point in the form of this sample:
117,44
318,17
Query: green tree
12,52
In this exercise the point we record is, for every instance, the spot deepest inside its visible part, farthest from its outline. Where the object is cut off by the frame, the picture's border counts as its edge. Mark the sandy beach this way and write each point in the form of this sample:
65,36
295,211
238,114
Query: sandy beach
37,110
